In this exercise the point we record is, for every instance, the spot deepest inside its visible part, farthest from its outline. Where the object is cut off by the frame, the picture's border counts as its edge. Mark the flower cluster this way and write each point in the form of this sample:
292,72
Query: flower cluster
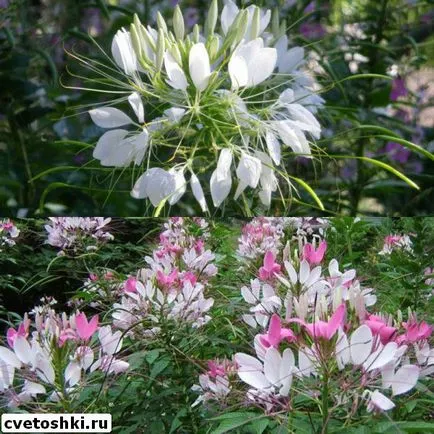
318,335
54,356
8,233
77,234
395,242
264,234
172,286
234,100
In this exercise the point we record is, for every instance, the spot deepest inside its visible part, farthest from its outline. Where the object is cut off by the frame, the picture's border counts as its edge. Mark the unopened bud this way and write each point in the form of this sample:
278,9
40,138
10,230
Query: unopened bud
213,47
161,23
256,24
178,23
161,46
196,34
211,19
275,24
176,54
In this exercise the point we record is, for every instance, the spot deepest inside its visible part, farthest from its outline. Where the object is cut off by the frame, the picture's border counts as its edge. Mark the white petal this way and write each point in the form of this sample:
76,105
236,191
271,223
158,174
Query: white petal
109,117
238,71
180,186
155,183
249,170
136,103
291,272
224,164
248,296
291,60
273,147
108,144
198,192
380,401
72,373
123,52
23,350
262,66
174,114
360,344
243,359
381,357
304,271
229,13
286,370
342,350
220,189
272,366
200,69
177,78
9,357
405,379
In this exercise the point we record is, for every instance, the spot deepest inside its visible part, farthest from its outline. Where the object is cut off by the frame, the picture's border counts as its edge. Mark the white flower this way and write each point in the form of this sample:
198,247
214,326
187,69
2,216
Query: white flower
118,147
123,52
221,180
200,70
274,376
177,78
248,172
197,190
230,12
251,64
156,184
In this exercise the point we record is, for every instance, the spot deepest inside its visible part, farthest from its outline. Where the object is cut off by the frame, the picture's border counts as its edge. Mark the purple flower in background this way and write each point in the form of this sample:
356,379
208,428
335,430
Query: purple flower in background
398,89
92,21
397,152
313,30
310,8
191,16
4,4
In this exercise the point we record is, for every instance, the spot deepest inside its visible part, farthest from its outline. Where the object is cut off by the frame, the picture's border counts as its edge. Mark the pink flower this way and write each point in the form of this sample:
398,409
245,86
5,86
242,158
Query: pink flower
416,332
379,328
199,246
314,257
325,330
167,279
23,330
189,277
130,284
93,277
270,268
86,329
276,333
65,335
215,369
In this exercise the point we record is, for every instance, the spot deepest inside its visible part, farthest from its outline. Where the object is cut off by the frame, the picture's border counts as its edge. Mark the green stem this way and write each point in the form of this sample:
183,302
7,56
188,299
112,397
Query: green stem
325,403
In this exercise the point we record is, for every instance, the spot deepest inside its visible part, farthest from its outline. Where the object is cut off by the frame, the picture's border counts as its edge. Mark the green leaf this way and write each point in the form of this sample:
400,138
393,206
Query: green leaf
230,421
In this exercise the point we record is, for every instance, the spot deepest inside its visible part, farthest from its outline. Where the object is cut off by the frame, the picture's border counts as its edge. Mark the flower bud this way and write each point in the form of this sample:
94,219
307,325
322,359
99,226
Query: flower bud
282,28
275,24
161,46
161,23
178,23
213,46
211,19
135,41
256,24
241,27
196,34
147,38
176,54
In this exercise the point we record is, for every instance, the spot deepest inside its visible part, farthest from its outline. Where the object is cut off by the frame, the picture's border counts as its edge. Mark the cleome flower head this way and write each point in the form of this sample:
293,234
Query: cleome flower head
218,110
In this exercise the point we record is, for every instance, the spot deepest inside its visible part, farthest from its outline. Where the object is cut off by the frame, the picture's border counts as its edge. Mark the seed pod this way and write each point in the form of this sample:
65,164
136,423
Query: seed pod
275,24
